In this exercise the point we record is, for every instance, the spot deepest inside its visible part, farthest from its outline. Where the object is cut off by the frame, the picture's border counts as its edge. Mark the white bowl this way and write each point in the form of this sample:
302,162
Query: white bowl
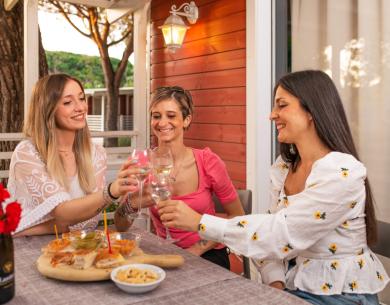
138,288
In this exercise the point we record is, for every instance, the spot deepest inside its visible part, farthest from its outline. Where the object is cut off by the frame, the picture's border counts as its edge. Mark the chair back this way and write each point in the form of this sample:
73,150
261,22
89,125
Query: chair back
246,201
382,247
245,198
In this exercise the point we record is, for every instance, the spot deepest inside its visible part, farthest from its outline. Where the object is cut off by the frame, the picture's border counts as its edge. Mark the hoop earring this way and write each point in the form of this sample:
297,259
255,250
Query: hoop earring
292,149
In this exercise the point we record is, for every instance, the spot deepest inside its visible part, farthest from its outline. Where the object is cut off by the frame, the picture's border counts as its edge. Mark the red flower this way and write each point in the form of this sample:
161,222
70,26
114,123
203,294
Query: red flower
12,212
3,193
9,219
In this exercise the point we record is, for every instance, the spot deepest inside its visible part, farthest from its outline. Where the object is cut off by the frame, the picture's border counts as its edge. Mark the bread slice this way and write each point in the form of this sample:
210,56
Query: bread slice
57,245
105,259
83,259
65,258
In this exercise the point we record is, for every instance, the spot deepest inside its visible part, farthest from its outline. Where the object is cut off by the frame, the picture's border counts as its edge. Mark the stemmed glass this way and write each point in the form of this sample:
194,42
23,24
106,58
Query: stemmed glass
141,159
162,161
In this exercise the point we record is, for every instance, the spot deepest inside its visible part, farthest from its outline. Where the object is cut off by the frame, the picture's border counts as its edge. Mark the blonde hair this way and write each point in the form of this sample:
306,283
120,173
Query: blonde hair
40,126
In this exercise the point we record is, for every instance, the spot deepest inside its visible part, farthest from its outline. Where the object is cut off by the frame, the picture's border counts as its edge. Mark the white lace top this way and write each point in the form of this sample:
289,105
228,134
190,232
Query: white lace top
30,183
323,227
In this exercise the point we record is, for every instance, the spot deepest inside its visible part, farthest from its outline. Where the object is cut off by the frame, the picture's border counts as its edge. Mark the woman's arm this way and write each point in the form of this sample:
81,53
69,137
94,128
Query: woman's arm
234,208
124,215
231,209
43,229
333,195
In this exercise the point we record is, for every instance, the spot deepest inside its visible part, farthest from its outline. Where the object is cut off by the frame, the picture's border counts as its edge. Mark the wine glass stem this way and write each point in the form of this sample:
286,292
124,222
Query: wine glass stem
167,234
141,186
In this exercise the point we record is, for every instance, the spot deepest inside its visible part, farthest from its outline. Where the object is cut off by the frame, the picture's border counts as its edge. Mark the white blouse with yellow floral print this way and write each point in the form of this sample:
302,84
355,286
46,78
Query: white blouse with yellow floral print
323,227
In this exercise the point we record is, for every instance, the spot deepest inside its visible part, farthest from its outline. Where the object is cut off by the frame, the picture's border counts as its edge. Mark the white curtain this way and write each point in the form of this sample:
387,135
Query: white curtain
350,40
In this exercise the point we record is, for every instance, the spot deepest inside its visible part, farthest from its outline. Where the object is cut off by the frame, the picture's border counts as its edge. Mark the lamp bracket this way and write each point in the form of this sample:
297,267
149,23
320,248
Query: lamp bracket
190,10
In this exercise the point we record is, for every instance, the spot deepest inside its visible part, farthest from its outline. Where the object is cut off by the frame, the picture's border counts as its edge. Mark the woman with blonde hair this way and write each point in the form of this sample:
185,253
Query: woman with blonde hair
57,173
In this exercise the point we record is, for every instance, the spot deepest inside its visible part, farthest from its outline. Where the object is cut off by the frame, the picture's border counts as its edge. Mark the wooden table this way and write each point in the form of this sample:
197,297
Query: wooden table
197,282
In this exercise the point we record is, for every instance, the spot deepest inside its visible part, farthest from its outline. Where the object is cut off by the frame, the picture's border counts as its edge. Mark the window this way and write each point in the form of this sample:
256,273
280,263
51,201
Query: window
349,40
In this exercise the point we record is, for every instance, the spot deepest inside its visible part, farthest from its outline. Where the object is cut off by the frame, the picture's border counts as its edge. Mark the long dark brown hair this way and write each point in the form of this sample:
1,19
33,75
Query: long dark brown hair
318,95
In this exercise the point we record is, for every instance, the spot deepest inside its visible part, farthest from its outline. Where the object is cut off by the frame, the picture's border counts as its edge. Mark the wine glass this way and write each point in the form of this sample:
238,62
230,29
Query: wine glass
160,190
141,158
162,162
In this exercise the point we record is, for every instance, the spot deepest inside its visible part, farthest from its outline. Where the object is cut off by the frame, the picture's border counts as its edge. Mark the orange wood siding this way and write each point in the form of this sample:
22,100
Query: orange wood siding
212,65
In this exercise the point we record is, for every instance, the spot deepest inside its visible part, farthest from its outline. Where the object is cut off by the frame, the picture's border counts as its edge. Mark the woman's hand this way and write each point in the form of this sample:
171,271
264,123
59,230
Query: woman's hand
146,202
195,249
126,180
277,285
177,214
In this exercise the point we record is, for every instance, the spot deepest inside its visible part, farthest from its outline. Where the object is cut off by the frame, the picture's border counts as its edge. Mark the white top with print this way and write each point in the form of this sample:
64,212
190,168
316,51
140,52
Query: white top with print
323,227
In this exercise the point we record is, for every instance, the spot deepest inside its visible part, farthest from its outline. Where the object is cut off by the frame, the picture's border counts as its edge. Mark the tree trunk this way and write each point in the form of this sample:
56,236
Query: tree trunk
112,96
12,74
43,66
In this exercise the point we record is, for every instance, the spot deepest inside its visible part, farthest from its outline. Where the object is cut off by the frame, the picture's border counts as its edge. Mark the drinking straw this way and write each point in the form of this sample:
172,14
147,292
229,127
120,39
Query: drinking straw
108,240
106,230
55,230
105,221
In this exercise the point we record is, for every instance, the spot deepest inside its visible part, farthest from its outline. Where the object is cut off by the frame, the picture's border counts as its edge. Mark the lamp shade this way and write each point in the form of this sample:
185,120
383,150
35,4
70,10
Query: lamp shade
174,31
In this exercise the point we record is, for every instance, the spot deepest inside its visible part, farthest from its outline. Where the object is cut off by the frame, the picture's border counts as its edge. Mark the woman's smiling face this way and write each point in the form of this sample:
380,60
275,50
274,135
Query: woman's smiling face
167,122
291,120
72,108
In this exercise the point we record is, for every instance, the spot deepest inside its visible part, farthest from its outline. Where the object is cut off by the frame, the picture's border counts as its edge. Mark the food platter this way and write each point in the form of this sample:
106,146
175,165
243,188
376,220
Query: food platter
86,268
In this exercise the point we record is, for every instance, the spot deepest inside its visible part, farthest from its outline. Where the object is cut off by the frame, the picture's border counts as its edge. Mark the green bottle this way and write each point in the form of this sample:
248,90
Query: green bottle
7,268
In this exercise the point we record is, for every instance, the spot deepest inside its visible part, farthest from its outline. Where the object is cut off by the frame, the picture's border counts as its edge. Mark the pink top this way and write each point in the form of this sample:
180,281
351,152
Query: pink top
213,178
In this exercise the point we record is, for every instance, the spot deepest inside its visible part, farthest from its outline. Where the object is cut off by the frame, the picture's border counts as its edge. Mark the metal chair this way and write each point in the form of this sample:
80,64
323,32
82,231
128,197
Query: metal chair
246,201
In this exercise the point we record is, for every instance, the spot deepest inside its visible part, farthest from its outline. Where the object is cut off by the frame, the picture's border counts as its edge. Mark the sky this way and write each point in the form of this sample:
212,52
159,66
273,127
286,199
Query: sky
59,35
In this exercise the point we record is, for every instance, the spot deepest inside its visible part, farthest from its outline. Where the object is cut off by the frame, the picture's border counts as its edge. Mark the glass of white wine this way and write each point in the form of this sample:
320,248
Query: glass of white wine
162,162
141,159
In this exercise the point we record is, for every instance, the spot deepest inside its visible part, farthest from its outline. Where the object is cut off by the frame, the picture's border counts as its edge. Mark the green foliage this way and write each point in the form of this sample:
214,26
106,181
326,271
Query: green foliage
85,68
124,142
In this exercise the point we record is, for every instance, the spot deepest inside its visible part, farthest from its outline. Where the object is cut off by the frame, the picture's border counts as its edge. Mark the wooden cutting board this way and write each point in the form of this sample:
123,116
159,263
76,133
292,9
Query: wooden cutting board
67,273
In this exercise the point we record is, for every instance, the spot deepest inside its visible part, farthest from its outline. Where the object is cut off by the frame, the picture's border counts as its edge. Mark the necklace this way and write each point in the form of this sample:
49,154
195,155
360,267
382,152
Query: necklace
176,170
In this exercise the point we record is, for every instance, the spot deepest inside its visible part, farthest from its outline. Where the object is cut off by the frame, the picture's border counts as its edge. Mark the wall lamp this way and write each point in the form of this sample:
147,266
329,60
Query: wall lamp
174,29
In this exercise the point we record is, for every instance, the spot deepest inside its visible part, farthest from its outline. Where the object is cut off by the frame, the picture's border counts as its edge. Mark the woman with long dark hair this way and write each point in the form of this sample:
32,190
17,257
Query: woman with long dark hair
322,211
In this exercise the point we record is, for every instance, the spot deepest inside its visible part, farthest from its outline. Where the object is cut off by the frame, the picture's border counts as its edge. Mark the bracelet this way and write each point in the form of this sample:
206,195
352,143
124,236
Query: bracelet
108,199
109,192
126,209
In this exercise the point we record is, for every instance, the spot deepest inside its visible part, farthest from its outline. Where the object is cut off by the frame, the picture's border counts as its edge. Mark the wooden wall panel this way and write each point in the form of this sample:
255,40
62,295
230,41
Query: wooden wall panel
219,97
217,132
220,115
212,65
227,151
219,79
206,46
208,9
214,62
203,30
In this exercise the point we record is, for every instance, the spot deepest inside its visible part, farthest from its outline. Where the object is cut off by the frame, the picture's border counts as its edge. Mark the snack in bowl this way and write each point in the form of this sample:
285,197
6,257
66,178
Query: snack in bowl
137,278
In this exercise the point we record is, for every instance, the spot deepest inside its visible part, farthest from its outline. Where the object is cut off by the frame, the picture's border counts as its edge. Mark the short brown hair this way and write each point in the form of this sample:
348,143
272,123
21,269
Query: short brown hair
182,97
